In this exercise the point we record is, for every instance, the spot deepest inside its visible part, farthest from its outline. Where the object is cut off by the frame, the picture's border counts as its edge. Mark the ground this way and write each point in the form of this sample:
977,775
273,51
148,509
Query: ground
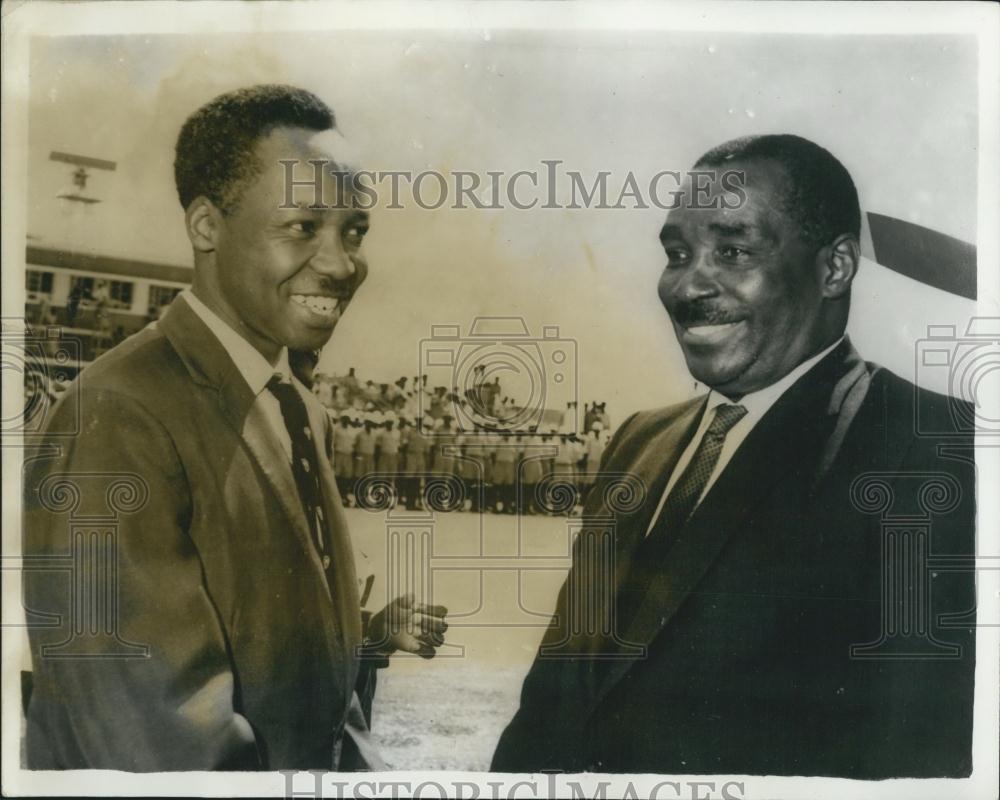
443,718
499,577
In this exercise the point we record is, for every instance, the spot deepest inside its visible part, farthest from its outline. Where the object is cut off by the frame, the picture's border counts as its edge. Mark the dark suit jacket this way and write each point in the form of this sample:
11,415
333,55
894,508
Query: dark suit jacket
739,657
249,644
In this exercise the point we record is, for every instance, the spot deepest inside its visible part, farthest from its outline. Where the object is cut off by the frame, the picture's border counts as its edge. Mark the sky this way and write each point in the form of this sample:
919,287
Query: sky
899,112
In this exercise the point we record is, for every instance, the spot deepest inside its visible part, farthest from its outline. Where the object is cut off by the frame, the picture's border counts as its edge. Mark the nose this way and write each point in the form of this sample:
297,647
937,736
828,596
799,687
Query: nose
697,281
331,258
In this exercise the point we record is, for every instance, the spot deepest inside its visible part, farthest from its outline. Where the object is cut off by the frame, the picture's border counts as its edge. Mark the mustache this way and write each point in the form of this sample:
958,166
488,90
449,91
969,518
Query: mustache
704,313
342,288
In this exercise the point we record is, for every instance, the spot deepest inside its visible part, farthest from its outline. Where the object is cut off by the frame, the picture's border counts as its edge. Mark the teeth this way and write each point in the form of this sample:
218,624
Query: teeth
708,330
325,306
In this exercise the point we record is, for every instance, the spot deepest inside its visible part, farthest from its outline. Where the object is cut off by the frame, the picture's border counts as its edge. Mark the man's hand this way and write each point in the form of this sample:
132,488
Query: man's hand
407,626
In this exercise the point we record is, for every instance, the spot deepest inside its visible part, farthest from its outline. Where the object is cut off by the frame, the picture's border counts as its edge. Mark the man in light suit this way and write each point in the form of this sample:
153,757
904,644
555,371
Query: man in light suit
233,635
746,629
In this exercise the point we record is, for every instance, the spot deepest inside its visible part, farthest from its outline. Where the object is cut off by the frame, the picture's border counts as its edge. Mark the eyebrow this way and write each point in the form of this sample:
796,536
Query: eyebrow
669,231
736,229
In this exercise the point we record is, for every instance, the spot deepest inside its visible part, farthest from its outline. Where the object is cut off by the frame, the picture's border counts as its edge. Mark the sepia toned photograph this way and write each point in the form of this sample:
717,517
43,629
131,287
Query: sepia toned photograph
498,400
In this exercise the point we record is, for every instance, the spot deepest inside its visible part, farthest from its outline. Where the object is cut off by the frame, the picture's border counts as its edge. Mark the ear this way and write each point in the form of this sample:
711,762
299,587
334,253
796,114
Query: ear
203,221
840,262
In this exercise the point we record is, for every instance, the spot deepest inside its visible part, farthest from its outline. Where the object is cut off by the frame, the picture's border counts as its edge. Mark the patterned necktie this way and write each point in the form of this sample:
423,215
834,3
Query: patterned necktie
305,468
686,492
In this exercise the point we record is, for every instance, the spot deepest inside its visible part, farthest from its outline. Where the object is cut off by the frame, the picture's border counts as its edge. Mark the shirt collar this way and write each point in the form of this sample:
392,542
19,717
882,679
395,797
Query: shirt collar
255,369
757,403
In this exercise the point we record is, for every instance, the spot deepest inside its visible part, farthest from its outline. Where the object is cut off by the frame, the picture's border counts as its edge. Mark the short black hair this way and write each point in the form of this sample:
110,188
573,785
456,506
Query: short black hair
215,149
821,196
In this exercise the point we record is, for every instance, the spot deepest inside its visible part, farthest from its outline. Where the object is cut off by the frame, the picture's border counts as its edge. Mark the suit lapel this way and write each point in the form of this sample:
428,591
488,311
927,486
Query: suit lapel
210,365
273,462
343,590
341,551
650,461
657,453
787,439
659,456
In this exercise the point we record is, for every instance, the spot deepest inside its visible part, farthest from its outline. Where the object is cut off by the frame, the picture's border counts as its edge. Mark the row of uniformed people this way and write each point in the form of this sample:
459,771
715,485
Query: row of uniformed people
490,465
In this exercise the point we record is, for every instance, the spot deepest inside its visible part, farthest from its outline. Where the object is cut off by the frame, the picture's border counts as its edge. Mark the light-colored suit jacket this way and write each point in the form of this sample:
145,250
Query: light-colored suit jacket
180,616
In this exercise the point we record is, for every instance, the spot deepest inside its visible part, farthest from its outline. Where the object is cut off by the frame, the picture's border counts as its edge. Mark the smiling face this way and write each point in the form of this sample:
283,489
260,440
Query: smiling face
282,277
746,294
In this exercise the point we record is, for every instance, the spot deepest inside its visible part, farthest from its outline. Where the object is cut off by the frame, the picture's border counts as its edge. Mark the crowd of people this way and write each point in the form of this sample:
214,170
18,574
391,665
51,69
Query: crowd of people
405,436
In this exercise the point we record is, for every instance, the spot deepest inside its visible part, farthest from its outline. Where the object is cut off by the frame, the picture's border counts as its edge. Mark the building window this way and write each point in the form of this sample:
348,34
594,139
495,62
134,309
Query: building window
160,296
120,294
111,294
81,287
38,283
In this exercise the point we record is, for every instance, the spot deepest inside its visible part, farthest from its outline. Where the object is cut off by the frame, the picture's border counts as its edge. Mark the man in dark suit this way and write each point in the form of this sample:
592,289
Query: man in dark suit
196,601
754,608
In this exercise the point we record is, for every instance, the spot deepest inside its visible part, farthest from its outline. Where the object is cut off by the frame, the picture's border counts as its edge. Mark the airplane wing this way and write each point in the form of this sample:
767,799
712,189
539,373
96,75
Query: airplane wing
924,255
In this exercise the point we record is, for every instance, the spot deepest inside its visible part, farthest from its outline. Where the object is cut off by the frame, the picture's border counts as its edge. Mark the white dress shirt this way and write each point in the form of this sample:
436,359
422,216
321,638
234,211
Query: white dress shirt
757,405
255,369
